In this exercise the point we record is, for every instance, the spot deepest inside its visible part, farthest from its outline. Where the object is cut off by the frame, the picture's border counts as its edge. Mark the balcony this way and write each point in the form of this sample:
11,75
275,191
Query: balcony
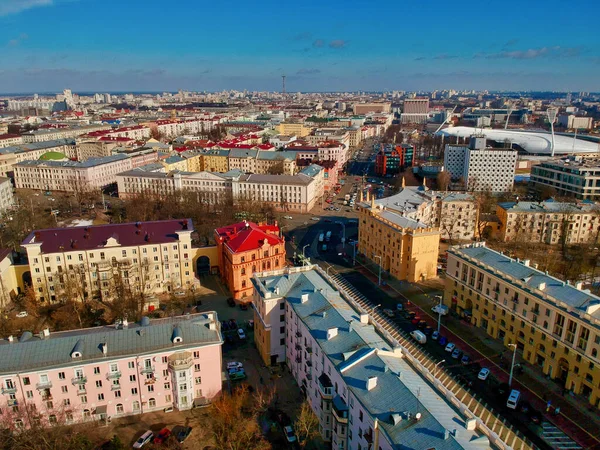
309,350
369,436
340,409
113,375
309,363
81,391
78,380
115,387
44,385
298,347
325,387
11,402
179,361
9,390
298,334
147,369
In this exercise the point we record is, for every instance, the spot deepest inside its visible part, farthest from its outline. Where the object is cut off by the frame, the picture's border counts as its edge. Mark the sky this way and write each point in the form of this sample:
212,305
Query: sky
333,45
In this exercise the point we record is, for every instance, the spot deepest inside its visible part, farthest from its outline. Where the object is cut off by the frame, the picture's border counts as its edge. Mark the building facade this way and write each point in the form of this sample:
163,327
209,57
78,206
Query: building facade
579,178
111,371
8,140
9,156
7,199
405,248
145,258
472,163
349,372
549,222
555,325
62,133
244,249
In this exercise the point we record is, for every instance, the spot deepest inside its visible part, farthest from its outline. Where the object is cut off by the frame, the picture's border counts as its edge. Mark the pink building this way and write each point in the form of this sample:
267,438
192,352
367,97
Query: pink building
110,371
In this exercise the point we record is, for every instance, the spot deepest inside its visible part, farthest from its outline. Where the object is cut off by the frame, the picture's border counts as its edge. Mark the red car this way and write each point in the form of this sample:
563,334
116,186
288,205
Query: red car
415,320
162,436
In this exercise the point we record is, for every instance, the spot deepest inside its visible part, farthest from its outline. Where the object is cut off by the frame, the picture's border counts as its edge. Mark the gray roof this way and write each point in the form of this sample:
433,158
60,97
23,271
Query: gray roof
277,179
36,146
355,352
54,351
242,153
411,197
312,170
272,155
404,222
555,291
91,162
549,206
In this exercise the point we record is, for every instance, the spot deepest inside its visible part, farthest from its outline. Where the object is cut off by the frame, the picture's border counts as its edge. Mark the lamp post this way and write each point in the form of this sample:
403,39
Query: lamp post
512,366
377,256
440,314
374,307
328,267
437,366
303,255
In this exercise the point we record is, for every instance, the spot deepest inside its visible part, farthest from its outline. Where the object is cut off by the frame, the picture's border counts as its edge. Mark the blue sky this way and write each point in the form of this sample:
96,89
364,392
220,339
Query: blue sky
137,45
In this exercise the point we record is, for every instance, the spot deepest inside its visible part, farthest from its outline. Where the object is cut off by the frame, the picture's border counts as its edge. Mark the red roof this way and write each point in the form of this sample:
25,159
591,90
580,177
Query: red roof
115,139
247,236
94,237
9,136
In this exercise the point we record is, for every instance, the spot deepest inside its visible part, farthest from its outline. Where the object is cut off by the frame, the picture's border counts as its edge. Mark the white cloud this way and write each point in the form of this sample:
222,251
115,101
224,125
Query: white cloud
8,7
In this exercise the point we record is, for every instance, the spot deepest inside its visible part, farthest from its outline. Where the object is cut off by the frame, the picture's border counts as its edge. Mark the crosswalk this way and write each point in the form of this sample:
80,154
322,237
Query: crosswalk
559,440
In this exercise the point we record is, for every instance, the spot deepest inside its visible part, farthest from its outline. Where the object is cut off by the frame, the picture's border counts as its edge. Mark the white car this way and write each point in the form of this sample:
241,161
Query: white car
241,333
450,347
289,434
287,217
143,439
316,219
22,314
483,374
234,365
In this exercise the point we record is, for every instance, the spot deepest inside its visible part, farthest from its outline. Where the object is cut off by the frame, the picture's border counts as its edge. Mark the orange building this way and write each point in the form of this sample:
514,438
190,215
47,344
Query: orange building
245,248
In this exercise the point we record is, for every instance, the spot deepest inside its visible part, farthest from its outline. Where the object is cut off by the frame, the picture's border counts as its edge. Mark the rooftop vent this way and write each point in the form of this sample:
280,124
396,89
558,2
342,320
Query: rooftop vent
177,336
371,383
331,333
395,418
25,336
45,333
364,318
77,351
304,298
145,321
104,348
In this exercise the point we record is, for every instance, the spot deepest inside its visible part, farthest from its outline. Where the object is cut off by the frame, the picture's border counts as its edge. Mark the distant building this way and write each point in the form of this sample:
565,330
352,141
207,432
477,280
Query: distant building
61,133
7,199
7,140
573,177
293,129
112,371
416,106
387,161
244,249
9,156
472,164
365,108
573,122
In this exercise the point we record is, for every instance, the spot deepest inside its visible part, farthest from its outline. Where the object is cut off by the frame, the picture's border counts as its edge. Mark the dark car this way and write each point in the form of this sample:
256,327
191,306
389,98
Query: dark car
465,360
503,389
181,433
442,341
428,331
231,302
524,407
410,314
225,325
535,416
421,325
162,436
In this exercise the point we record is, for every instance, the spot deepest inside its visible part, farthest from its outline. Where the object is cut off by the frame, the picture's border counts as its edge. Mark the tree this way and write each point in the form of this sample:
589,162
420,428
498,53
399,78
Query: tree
278,168
443,180
307,424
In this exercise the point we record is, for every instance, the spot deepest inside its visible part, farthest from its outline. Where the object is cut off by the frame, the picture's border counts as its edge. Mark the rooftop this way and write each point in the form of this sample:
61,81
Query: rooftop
298,179
359,352
550,206
539,283
90,162
247,236
72,239
37,352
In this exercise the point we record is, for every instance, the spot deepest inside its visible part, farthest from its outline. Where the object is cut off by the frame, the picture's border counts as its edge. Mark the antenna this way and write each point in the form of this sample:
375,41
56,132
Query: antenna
283,85
552,112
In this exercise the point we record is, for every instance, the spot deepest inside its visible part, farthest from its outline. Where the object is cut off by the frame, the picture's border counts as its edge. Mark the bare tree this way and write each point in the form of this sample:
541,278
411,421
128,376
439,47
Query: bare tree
306,425
443,180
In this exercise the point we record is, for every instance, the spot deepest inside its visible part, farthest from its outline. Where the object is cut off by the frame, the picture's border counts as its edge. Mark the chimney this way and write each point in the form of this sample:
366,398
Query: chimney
364,318
11,339
371,383
125,323
104,348
579,285
331,333
304,298
526,262
446,435
276,290
45,333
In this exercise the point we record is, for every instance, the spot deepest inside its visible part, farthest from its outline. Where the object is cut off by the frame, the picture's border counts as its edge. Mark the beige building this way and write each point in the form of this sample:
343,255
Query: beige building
555,325
98,148
216,160
256,161
298,129
319,135
549,222
365,108
97,261
10,156
70,176
7,140
6,194
404,247
62,133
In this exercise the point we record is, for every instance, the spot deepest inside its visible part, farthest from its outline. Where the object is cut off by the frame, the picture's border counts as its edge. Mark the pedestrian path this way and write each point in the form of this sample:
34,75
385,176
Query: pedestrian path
559,440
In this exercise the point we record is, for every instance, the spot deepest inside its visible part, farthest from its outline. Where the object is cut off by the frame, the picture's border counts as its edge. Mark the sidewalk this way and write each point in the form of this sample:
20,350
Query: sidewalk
578,419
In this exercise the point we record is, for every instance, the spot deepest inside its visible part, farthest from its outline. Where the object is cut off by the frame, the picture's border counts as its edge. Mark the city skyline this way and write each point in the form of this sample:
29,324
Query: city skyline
93,46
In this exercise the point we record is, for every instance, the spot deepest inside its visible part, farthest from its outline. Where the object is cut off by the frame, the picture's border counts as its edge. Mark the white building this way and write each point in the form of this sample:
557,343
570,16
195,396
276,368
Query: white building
572,122
481,168
62,133
7,140
6,194
360,386
9,156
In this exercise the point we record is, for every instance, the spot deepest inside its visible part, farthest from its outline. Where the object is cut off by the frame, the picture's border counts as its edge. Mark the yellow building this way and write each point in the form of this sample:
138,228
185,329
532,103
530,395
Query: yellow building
404,247
195,162
554,324
216,161
355,136
549,222
175,162
293,129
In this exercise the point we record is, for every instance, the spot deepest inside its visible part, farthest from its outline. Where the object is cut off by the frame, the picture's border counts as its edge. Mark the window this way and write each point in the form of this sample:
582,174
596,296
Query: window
132,378
119,408
26,381
96,370
61,375
117,394
134,391
183,387
100,397
198,380
98,383
150,388
136,405
196,369
196,355
167,386
164,359
66,402
360,415
83,399
131,364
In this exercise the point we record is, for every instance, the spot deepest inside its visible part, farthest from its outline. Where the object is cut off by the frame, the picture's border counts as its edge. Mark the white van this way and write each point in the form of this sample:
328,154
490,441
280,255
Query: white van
419,336
513,399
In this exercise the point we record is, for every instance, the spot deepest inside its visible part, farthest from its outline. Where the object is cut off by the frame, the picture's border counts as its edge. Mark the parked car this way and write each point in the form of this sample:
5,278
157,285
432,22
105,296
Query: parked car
22,314
162,436
241,333
415,320
456,354
287,217
428,331
466,359
442,340
388,312
435,335
232,324
239,375
143,439
399,306
483,374
231,302
316,219
421,325
450,347
234,365
289,434
183,433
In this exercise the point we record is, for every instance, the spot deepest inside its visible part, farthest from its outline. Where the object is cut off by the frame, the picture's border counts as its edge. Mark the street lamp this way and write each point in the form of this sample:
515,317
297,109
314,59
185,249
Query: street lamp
377,256
512,366
328,267
440,314
373,309
437,366
303,255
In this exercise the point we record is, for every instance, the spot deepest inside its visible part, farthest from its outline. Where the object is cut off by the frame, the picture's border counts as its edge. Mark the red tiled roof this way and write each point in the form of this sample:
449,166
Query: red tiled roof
9,136
246,236
94,237
115,139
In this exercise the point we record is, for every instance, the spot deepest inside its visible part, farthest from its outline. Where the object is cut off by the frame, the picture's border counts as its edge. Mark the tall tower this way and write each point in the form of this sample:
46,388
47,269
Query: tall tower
283,84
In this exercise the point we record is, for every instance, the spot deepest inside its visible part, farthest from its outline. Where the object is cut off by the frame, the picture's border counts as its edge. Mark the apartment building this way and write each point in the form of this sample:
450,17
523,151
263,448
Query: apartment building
391,159
62,133
9,156
366,108
573,177
244,249
91,261
256,161
472,163
70,176
358,381
216,160
549,222
405,248
8,140
298,129
573,122
554,324
320,135
99,148
7,199
111,371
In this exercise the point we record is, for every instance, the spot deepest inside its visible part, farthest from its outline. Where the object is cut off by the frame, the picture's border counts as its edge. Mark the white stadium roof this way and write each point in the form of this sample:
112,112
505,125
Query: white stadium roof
537,142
